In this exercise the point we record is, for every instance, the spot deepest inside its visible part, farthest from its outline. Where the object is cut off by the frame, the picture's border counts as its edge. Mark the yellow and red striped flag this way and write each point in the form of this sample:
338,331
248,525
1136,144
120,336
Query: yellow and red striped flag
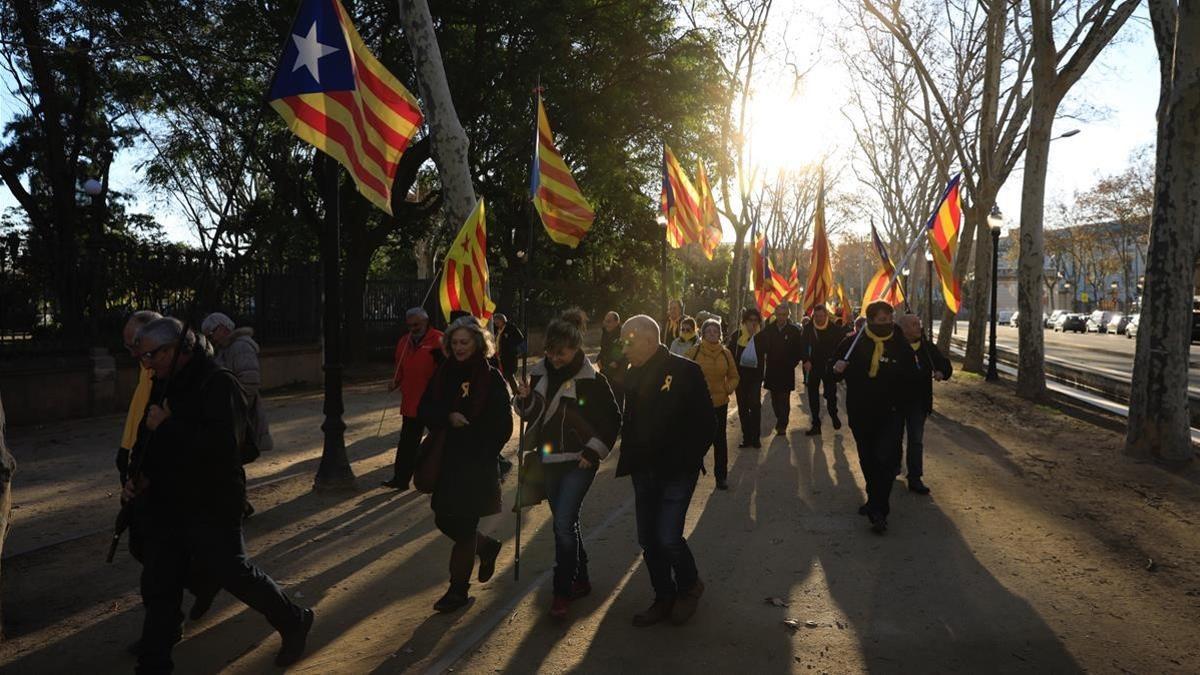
845,311
819,288
879,283
773,291
464,284
793,285
565,212
710,224
680,203
943,242
336,96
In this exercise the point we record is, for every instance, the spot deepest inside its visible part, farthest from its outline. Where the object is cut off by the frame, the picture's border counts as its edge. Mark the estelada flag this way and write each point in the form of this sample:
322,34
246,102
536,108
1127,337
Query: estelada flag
680,203
562,207
774,290
819,288
793,285
943,230
464,281
880,287
710,224
336,96
760,269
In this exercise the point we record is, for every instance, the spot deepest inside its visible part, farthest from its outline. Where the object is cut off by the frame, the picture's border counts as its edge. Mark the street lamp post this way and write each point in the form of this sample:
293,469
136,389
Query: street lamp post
94,188
929,292
996,223
1116,303
1071,294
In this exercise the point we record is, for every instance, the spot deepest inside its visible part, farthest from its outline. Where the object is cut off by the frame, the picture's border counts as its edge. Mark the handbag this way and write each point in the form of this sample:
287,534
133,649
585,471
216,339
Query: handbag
749,355
429,461
532,479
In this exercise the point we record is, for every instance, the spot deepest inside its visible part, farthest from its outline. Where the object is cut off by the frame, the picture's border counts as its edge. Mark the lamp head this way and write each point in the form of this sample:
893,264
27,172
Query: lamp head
92,187
996,220
928,256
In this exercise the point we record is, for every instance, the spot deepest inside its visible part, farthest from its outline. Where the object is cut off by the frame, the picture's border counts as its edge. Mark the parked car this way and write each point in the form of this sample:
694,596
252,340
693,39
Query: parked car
1003,316
1012,320
1132,326
1053,318
1116,325
1098,321
1075,323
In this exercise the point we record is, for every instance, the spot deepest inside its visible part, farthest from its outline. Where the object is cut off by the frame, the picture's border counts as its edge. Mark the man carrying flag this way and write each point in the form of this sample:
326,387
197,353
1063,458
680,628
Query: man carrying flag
464,284
562,207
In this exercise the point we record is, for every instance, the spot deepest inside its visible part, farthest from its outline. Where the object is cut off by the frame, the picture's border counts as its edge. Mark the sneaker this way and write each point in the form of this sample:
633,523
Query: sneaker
559,607
395,485
815,431
686,603
580,588
656,613
918,486
454,599
722,484
487,560
294,640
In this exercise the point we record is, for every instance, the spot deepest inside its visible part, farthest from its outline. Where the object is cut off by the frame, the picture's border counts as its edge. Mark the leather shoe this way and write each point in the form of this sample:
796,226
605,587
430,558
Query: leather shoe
487,560
580,589
878,523
918,486
395,485
686,603
295,640
722,484
656,613
202,604
837,421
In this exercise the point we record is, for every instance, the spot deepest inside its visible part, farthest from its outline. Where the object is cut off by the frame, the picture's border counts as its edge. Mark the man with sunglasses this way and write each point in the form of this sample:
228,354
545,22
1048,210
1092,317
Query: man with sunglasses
191,475
418,354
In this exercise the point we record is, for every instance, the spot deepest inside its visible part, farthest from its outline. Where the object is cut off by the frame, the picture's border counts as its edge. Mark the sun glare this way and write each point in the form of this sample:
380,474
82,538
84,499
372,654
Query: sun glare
791,131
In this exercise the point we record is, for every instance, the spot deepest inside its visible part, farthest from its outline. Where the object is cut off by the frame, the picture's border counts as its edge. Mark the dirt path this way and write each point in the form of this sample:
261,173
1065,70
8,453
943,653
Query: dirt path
1041,550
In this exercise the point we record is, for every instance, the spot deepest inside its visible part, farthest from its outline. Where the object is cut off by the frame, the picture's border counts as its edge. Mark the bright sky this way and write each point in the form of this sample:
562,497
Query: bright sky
1121,88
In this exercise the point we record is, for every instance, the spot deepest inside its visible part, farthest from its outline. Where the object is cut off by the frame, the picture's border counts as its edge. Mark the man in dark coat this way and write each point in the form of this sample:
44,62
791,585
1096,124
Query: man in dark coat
819,340
663,448
193,480
875,373
929,364
743,344
510,341
611,359
779,343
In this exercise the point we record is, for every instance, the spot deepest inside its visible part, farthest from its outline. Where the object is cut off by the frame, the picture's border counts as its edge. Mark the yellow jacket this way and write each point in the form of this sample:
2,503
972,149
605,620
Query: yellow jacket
720,370
137,408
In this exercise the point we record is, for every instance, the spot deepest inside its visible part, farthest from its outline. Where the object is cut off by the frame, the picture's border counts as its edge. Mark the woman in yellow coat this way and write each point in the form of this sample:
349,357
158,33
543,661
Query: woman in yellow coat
721,374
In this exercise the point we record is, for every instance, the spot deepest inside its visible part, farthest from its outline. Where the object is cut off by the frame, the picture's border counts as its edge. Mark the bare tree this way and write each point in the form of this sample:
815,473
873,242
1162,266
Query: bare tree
1057,66
1159,419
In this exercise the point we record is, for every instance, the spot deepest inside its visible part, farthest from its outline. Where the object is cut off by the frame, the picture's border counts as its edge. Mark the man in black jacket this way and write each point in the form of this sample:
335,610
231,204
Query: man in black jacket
875,374
195,489
779,343
510,341
819,341
929,364
663,448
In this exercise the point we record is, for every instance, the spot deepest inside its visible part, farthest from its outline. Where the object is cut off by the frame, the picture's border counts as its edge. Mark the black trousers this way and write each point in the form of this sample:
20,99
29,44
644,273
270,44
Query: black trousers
220,552
781,403
411,430
878,443
749,405
720,442
814,384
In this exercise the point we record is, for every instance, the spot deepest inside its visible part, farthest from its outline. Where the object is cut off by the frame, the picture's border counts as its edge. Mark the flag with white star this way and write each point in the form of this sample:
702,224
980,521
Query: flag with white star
335,95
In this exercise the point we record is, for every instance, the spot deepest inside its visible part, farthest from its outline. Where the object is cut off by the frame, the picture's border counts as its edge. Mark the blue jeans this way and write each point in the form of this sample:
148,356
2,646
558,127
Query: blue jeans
566,486
914,422
662,504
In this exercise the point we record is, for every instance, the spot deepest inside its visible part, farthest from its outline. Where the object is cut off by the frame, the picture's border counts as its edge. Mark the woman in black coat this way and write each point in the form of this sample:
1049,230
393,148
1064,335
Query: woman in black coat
750,376
467,403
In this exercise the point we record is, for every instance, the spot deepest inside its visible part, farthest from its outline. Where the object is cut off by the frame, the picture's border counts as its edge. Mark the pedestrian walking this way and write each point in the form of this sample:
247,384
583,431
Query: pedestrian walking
688,337
192,477
671,326
721,376
929,364
510,344
611,359
418,354
744,347
237,352
875,374
141,394
818,345
780,349
574,421
466,407
662,449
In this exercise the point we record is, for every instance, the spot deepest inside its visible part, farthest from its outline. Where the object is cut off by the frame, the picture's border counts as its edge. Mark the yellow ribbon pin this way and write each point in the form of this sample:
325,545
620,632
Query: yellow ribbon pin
466,389
666,384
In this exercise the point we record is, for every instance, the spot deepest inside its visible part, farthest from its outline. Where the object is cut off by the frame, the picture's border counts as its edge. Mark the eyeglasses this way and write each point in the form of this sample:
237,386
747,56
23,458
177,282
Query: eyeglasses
146,356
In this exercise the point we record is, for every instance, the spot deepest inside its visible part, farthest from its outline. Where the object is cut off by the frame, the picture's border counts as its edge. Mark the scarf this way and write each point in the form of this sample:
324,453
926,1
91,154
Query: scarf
556,377
821,326
744,336
916,346
687,335
877,354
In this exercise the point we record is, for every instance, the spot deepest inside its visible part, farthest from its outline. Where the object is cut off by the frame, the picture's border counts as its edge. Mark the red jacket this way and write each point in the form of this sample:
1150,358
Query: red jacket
414,367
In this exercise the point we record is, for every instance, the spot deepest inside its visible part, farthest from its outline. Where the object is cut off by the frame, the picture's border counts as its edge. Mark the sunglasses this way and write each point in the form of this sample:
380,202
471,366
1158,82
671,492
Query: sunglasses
146,356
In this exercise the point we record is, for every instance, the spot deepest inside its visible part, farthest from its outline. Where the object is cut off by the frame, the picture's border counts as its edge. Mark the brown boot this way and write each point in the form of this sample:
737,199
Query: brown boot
685,604
658,612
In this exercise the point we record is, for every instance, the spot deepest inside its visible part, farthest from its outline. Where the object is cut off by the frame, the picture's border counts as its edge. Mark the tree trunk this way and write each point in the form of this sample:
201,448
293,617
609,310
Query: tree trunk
1159,425
981,292
737,282
450,143
8,466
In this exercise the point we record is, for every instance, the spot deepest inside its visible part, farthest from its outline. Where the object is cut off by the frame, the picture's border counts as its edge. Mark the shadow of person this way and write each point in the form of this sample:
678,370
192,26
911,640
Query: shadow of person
424,639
